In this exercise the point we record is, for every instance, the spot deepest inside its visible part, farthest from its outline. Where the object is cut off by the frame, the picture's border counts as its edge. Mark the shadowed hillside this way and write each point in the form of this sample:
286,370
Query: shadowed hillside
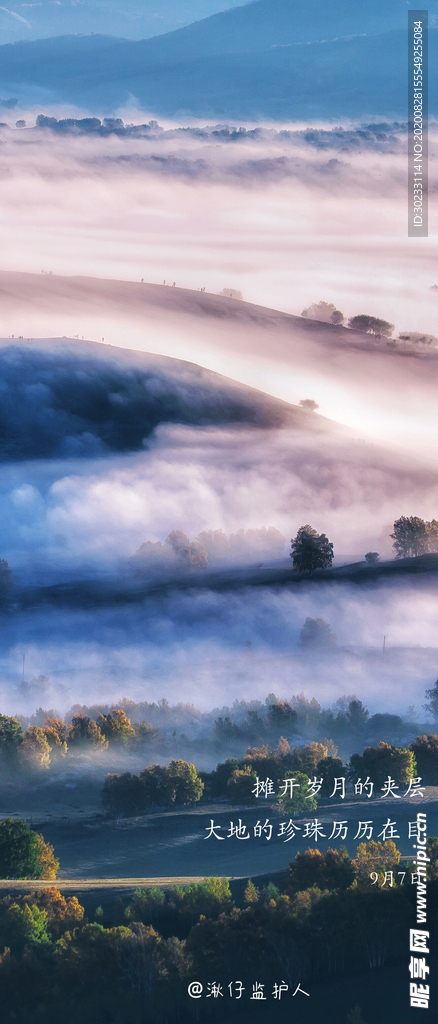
271,58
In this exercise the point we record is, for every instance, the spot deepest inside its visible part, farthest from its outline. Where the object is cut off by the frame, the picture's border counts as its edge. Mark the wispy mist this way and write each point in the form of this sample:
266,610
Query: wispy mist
210,648
285,216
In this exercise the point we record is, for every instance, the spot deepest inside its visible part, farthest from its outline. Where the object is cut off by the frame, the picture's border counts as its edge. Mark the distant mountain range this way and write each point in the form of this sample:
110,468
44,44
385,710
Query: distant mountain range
134,19
275,59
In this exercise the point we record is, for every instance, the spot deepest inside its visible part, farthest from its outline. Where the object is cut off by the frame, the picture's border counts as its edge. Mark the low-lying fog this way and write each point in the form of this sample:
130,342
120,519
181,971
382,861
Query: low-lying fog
211,648
286,215
287,219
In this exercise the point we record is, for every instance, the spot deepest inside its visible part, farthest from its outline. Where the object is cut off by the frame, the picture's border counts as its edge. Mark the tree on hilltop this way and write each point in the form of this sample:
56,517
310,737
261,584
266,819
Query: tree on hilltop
371,325
372,557
311,550
324,311
309,404
410,537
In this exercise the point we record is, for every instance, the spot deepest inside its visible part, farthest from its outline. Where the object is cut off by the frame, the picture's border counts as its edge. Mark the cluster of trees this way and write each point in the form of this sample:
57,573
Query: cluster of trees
348,719
371,325
413,536
324,311
211,546
327,313
235,778
231,293
259,722
37,745
310,550
416,338
324,922
156,786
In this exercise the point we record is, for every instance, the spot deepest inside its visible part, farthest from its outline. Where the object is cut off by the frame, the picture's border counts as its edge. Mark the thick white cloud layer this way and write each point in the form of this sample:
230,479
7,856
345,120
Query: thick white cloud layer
288,221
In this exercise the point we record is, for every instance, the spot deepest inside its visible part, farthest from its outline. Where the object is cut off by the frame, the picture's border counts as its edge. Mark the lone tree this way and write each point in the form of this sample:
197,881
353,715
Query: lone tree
309,404
371,325
311,550
410,537
372,557
317,633
23,852
337,318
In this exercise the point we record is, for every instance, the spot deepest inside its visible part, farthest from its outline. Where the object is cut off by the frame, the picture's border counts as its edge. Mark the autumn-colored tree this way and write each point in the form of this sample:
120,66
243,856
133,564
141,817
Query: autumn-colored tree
62,914
34,751
183,783
56,732
24,853
241,786
116,727
307,758
85,732
374,856
47,862
251,894
330,870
